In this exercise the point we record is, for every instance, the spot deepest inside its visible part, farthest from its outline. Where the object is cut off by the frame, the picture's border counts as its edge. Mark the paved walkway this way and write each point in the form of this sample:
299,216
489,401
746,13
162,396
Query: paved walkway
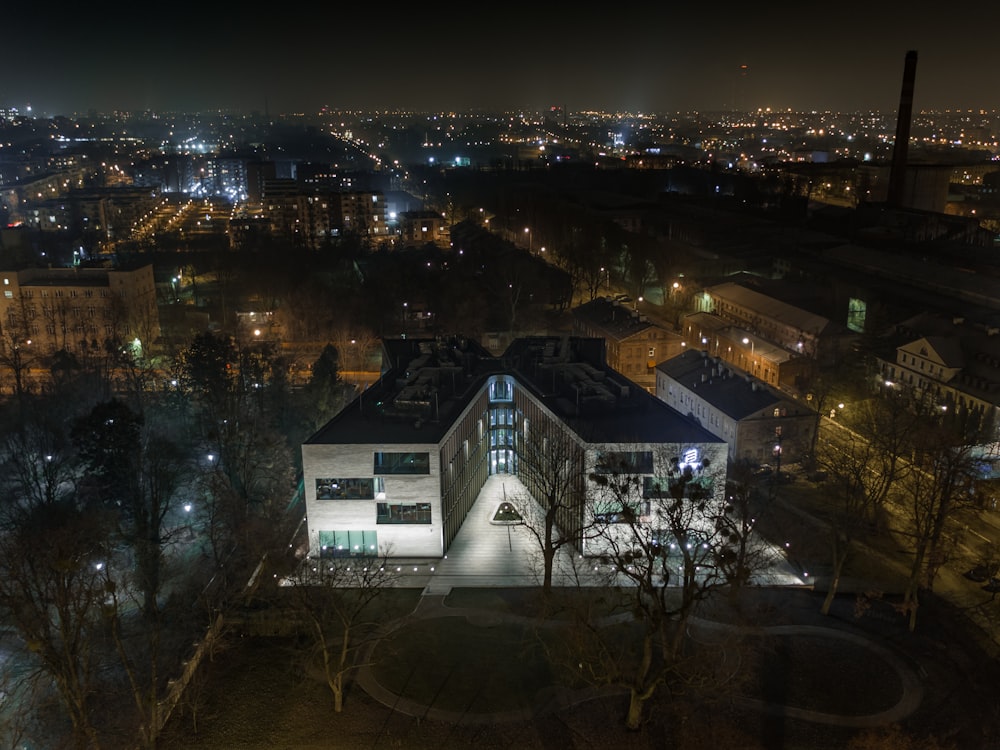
486,554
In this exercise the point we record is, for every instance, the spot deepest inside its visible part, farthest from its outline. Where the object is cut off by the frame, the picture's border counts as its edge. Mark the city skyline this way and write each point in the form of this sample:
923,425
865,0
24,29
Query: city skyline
849,58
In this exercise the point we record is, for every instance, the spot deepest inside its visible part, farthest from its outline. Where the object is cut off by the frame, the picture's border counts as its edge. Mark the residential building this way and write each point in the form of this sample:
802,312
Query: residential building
760,423
312,218
794,329
634,343
740,348
418,228
953,362
398,470
78,308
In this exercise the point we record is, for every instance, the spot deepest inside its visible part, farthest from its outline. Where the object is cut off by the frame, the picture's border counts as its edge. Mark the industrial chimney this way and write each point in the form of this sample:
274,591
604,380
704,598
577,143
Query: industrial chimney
897,173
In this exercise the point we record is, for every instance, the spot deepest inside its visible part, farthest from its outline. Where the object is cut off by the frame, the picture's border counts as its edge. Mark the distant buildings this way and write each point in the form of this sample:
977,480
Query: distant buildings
399,469
311,217
78,309
419,228
953,363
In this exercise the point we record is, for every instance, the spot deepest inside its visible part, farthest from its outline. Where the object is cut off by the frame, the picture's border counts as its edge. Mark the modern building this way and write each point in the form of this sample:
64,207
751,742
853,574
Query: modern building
760,423
634,343
398,470
74,309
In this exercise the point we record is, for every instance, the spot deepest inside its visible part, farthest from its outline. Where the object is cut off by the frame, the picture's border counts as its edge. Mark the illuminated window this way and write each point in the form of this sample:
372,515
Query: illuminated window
386,513
353,543
348,489
402,463
628,462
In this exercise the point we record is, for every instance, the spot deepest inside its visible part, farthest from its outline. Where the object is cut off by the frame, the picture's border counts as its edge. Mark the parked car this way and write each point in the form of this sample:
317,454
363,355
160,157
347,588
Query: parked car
982,572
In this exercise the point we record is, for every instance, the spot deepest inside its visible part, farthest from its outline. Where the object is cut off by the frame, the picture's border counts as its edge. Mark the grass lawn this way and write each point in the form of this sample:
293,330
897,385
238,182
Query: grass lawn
453,665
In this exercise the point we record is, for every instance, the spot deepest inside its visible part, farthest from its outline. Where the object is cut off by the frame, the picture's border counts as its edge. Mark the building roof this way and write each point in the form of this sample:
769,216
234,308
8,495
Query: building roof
427,383
711,326
971,348
722,386
613,319
570,377
67,277
771,307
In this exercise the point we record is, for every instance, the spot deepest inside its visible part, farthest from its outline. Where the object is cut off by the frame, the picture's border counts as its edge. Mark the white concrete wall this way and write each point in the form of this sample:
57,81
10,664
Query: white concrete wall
350,461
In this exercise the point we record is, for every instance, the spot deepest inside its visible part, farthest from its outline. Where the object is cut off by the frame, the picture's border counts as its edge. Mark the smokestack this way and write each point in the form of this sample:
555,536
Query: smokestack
897,174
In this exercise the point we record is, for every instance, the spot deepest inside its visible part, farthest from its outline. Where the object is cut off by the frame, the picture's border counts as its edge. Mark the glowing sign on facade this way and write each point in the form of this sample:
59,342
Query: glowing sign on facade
690,458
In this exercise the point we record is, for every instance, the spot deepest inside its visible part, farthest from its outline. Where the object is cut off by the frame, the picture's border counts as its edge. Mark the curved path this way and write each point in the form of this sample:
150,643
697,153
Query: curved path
556,698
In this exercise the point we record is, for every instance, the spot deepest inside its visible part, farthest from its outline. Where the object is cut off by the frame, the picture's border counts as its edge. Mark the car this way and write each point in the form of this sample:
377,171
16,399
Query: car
982,573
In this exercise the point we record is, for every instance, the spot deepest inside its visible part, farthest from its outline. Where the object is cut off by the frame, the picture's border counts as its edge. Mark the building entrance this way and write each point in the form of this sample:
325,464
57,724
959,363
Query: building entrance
502,461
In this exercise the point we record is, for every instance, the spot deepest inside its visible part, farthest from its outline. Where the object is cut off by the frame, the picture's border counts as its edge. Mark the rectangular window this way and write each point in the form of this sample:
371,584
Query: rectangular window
624,462
655,487
501,390
345,489
402,513
617,512
402,463
352,543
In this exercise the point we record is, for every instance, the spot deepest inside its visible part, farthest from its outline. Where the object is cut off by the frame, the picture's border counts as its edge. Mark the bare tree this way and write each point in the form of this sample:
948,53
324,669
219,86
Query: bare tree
18,353
744,551
937,487
663,541
336,597
888,423
551,466
849,461
53,589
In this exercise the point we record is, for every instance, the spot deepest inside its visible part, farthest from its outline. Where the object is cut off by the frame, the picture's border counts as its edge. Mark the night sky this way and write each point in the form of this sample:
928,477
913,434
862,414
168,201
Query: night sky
816,56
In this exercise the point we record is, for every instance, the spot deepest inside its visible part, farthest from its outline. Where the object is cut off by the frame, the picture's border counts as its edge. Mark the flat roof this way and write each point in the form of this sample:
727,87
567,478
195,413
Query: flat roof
427,383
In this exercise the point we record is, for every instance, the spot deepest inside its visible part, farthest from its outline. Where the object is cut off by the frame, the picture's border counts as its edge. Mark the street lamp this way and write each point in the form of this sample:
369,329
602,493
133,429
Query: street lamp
405,305
527,231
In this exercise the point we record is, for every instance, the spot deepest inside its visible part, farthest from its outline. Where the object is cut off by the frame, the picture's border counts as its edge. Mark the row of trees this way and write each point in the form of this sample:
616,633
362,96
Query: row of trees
129,521
898,463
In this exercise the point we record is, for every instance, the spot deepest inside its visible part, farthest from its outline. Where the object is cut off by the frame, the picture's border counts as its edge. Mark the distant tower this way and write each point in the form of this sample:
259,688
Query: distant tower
897,173
739,88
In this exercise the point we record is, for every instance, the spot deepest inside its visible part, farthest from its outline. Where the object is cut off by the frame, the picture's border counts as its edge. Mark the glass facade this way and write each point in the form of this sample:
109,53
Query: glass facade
351,543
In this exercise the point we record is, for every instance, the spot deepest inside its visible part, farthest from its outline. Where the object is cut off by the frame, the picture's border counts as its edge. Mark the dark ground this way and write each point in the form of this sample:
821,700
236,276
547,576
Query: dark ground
257,693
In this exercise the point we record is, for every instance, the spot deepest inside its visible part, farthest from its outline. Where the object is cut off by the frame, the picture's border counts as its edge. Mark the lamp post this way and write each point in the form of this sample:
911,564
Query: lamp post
405,305
527,231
